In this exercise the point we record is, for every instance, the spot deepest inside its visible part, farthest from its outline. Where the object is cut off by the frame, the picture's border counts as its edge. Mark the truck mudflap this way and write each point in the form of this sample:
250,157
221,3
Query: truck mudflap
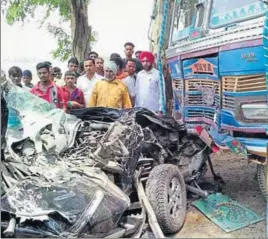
220,143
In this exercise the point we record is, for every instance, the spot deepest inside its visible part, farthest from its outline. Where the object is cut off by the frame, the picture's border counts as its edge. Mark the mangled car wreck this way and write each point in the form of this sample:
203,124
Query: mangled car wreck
96,172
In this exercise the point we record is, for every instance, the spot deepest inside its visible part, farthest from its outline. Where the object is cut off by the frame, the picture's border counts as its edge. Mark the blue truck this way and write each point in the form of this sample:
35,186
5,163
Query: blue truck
217,58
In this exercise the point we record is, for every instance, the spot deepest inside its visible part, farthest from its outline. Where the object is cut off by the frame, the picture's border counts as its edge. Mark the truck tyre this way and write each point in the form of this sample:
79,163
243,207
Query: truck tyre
262,179
166,191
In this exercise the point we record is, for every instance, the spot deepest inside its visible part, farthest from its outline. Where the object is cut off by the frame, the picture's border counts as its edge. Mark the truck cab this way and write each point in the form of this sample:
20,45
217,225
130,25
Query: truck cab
216,59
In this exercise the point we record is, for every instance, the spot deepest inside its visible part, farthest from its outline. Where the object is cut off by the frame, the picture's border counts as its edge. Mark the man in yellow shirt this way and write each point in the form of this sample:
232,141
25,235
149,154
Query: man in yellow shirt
110,92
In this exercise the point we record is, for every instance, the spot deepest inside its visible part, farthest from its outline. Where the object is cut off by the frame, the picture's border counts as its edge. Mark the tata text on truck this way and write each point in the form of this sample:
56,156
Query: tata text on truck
216,57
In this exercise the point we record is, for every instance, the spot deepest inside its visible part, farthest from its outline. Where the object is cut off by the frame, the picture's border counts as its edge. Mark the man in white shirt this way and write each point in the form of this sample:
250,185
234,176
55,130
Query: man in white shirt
130,80
87,81
148,91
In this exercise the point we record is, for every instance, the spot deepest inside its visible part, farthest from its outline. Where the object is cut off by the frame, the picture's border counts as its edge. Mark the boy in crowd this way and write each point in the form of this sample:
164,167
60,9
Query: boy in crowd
58,77
73,65
114,56
137,55
73,98
15,75
57,72
27,78
93,55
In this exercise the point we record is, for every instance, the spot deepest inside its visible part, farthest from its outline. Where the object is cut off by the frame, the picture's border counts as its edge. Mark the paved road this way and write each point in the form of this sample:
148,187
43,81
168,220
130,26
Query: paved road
240,186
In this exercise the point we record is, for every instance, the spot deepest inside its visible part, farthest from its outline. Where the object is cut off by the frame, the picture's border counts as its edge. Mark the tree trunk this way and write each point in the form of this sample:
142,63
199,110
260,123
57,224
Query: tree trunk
80,28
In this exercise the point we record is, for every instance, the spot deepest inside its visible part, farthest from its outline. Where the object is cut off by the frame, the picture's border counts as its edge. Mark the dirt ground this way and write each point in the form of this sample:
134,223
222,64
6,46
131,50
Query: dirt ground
240,185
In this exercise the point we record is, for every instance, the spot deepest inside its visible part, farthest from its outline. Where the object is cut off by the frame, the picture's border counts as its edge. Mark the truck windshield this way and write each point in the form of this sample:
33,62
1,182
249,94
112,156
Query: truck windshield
225,12
183,19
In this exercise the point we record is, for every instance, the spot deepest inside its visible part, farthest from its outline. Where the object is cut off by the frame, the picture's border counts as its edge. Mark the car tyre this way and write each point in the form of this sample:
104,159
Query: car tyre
166,191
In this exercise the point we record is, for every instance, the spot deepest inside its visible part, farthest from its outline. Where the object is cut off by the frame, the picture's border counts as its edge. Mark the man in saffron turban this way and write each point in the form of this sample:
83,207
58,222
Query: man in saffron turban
148,85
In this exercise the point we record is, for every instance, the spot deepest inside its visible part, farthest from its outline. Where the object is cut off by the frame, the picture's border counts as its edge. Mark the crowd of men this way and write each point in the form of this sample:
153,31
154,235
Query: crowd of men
131,81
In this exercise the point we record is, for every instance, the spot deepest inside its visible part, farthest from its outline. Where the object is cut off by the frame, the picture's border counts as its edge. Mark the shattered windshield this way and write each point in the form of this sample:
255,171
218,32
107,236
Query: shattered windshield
224,12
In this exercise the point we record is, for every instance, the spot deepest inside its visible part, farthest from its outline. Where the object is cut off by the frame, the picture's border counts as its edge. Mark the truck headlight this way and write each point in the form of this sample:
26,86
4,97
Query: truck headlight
255,111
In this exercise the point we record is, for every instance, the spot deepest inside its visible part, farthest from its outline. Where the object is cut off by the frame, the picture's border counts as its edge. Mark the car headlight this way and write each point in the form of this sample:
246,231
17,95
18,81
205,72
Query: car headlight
255,111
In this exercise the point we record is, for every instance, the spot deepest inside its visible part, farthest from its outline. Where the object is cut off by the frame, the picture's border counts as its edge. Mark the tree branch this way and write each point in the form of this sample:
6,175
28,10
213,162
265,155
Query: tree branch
75,11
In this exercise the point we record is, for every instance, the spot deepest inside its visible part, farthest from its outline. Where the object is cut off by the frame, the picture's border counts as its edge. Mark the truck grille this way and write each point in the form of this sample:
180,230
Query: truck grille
228,102
177,85
236,84
200,113
195,97
244,83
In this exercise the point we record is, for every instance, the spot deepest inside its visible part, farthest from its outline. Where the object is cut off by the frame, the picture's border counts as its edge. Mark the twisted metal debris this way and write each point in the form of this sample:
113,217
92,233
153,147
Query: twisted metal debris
114,147
111,157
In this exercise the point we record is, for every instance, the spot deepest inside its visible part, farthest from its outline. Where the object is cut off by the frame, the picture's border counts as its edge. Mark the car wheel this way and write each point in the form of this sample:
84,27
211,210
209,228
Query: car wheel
166,191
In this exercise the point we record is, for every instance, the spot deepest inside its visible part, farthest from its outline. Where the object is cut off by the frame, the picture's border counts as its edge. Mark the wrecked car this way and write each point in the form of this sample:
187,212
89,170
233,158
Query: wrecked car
97,172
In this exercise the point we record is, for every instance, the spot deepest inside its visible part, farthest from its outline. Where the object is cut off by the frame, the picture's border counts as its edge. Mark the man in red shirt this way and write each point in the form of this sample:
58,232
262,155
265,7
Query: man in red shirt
45,88
73,97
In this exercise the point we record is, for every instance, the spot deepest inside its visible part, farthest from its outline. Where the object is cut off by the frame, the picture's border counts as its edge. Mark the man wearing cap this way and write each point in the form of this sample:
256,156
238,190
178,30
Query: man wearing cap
27,78
148,85
110,92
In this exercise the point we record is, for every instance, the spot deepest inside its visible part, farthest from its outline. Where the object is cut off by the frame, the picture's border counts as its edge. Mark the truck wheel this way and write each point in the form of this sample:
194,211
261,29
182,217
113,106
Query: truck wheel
166,191
262,179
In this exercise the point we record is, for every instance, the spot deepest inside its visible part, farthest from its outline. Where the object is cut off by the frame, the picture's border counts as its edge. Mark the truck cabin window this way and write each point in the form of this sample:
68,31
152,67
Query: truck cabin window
226,12
200,14
184,14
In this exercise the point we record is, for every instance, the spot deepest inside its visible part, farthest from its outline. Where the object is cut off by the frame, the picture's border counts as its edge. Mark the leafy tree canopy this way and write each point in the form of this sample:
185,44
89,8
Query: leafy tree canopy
20,10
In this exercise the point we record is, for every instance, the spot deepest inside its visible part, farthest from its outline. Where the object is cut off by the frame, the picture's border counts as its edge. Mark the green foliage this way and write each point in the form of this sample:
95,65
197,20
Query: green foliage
64,49
20,10
93,38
